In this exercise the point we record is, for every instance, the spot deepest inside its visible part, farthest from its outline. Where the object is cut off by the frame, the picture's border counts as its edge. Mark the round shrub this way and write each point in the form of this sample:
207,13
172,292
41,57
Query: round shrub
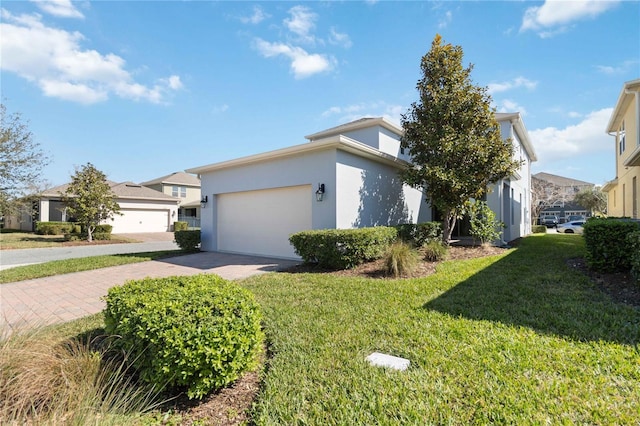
196,333
188,240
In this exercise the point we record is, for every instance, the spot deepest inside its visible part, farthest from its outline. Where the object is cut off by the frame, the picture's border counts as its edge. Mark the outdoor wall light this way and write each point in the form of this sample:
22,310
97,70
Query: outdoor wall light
320,192
204,201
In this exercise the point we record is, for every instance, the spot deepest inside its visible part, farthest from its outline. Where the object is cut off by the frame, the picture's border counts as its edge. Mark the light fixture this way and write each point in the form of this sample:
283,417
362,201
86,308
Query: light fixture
204,201
320,192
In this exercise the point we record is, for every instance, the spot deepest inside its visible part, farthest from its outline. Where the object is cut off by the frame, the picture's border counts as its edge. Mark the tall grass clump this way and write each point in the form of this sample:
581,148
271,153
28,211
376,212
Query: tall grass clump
435,251
401,259
48,380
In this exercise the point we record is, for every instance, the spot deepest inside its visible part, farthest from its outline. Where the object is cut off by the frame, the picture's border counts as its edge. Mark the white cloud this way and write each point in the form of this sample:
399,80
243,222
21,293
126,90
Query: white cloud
258,16
372,109
507,105
303,64
220,109
513,84
588,136
59,8
556,14
301,23
53,59
445,20
622,68
341,39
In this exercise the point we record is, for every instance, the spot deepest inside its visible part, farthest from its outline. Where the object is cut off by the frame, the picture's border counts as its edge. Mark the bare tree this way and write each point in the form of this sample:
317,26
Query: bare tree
544,194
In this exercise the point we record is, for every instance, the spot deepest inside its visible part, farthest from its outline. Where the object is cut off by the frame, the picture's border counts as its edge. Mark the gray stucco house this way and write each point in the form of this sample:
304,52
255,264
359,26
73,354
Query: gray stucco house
343,177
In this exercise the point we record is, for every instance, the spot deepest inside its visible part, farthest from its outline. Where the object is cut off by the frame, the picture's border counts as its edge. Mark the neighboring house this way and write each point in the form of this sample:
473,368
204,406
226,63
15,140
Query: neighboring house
624,124
184,186
344,177
562,203
143,209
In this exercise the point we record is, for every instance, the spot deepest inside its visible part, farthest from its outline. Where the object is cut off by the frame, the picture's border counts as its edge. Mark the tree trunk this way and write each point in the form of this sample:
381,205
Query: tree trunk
90,233
448,222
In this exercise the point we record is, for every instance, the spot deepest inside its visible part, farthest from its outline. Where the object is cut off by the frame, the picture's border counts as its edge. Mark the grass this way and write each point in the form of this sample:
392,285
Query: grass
12,239
59,267
518,338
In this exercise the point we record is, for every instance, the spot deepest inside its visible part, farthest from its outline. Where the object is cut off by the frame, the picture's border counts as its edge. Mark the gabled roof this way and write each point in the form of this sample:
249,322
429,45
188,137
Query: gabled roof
177,178
124,190
626,97
335,142
362,123
521,131
561,180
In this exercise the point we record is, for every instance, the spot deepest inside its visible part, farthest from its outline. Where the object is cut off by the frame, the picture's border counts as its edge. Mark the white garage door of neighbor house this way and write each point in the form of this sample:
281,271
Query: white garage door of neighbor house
260,222
136,220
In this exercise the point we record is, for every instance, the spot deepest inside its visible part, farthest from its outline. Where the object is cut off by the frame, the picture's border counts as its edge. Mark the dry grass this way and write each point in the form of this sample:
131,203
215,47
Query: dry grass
46,380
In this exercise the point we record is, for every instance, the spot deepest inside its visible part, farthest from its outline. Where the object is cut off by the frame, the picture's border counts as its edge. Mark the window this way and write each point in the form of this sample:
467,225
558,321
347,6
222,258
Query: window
621,138
179,191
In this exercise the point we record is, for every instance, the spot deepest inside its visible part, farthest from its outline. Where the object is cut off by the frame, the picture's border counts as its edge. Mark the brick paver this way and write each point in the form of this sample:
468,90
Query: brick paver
66,297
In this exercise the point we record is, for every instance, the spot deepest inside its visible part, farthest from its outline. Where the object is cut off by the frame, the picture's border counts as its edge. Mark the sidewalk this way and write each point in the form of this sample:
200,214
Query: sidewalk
66,297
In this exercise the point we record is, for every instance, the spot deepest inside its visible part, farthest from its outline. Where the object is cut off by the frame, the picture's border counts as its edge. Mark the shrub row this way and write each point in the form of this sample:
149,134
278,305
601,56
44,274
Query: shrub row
57,228
188,240
608,249
79,236
539,229
419,234
180,226
343,248
193,334
633,240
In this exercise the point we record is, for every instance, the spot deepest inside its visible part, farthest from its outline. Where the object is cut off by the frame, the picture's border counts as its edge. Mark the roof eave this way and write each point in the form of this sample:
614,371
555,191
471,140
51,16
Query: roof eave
357,125
621,106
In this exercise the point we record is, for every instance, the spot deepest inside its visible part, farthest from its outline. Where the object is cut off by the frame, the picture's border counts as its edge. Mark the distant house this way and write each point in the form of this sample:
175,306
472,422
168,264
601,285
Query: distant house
624,125
562,204
343,177
185,187
143,209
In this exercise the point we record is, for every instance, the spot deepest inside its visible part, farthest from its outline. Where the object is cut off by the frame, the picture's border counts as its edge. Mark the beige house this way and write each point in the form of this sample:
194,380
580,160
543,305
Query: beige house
624,125
185,187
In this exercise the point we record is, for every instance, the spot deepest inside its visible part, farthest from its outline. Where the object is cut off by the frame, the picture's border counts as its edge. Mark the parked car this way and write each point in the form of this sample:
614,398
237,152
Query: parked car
550,221
573,217
574,227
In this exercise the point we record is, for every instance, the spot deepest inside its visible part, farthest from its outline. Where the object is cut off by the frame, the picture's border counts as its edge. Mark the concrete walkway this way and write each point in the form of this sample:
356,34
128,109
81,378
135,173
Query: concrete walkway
66,297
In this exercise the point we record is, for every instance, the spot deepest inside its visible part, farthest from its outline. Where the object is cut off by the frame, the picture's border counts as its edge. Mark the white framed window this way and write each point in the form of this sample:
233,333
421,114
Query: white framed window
179,191
621,138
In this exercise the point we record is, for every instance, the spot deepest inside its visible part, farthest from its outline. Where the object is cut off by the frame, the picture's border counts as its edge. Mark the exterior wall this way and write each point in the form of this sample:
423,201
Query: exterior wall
372,194
380,138
306,169
620,196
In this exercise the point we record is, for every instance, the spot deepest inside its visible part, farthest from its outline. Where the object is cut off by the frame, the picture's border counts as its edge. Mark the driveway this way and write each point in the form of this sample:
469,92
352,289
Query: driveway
66,297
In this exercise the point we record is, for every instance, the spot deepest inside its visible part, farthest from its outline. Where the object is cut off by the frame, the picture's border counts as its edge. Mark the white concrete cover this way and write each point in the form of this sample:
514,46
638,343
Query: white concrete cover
383,360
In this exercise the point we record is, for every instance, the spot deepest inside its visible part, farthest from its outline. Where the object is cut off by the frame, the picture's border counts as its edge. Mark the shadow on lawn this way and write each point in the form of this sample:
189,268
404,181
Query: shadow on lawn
532,287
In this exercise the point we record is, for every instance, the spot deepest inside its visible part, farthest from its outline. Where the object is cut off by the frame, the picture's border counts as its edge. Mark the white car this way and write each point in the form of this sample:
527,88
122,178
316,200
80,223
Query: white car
574,227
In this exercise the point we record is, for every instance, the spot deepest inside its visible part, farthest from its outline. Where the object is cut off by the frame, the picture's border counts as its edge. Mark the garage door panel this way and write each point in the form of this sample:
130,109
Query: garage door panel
139,220
260,222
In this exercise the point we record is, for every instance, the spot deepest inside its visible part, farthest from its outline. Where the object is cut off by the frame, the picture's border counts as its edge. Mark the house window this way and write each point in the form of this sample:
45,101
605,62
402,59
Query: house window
179,191
621,136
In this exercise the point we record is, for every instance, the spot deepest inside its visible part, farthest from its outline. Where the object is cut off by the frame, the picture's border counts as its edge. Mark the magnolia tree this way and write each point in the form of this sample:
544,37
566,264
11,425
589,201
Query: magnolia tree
453,137
592,199
89,198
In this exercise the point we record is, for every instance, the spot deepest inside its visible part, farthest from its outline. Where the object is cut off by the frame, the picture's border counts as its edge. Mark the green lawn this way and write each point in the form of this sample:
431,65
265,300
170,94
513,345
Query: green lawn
518,338
11,240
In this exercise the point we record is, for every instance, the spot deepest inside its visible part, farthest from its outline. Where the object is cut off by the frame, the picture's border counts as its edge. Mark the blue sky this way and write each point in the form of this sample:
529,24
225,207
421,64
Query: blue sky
145,88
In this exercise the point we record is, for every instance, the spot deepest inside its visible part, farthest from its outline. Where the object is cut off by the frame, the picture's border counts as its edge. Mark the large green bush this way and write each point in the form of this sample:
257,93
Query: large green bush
607,246
420,234
343,248
188,240
56,228
195,333
539,229
633,241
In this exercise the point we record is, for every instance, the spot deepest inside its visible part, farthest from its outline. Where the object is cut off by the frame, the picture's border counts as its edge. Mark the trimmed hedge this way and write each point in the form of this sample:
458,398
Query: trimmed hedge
188,240
343,248
539,229
607,247
195,334
180,226
633,241
56,228
420,234
78,236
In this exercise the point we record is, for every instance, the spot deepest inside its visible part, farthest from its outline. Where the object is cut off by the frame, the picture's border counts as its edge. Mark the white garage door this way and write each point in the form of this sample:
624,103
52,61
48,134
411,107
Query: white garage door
136,220
260,222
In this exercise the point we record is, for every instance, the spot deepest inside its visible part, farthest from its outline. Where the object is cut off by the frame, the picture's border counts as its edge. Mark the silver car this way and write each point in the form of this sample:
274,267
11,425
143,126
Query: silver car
574,227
